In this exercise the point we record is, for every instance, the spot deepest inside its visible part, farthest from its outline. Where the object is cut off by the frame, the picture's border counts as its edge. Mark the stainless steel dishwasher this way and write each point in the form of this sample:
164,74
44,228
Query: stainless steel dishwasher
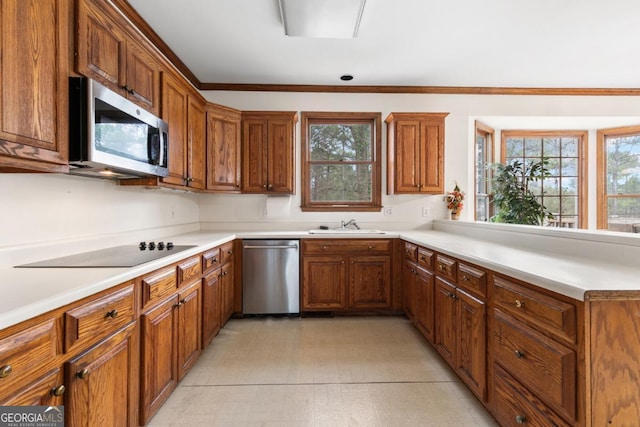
270,276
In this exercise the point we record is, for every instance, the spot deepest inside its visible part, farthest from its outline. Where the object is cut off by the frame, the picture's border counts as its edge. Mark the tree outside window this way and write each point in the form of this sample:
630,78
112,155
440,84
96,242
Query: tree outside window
341,161
619,179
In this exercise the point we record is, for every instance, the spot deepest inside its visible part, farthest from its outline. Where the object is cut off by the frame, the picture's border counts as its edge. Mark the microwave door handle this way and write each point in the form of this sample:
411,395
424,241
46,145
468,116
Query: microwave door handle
153,148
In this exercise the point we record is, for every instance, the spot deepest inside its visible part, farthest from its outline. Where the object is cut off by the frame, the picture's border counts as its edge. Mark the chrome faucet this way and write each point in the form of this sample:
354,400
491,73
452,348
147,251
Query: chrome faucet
351,222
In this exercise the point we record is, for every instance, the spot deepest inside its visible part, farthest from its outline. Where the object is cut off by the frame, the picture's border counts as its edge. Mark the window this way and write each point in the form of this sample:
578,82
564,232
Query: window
484,158
341,161
619,179
563,192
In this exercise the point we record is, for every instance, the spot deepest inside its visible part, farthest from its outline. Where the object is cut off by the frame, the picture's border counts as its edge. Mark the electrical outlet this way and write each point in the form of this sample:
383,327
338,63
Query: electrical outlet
388,210
425,211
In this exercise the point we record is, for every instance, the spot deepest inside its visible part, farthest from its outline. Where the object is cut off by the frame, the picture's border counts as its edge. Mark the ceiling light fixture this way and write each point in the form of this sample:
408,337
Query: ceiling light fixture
346,77
321,18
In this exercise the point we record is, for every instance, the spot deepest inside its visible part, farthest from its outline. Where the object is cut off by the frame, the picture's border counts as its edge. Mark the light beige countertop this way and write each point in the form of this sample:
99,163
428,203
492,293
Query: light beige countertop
28,292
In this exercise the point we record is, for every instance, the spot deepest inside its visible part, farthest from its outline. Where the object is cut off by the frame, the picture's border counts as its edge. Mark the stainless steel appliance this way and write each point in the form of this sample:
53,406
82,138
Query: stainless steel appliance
111,137
118,256
270,276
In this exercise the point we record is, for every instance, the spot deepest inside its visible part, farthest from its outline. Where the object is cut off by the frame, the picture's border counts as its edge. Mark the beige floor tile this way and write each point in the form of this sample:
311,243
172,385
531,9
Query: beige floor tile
352,371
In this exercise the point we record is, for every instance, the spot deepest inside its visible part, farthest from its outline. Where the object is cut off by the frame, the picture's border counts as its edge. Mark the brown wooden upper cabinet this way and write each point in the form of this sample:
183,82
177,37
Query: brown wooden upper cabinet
34,71
415,156
108,51
223,149
268,152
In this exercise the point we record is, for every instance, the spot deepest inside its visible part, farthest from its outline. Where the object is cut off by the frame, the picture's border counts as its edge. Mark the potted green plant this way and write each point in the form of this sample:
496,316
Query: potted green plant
513,200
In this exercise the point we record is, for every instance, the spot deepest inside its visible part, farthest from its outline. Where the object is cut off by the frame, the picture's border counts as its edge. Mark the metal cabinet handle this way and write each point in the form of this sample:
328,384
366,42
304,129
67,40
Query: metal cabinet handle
5,371
519,354
521,419
112,314
440,266
519,304
465,278
58,390
82,374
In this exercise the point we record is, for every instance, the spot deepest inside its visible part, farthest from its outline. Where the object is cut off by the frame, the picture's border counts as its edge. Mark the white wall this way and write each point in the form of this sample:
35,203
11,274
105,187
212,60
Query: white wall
46,208
224,211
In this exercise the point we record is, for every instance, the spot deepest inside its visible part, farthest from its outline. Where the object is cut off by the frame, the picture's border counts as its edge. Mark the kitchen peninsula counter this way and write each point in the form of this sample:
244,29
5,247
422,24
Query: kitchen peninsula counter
29,292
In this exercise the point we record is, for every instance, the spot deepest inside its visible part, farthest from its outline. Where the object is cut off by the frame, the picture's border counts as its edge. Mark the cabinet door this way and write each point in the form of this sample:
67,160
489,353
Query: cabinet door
103,383
159,376
227,286
369,282
34,85
174,112
432,156
445,319
424,303
409,290
196,141
101,46
471,356
211,300
407,153
254,156
189,330
324,283
280,157
142,78
223,151
45,391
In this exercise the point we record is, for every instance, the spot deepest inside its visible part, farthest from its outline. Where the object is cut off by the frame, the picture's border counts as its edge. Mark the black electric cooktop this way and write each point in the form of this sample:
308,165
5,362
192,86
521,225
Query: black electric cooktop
118,256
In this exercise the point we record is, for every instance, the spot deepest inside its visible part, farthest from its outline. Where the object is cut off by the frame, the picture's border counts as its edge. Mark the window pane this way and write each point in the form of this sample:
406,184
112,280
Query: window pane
551,147
569,186
623,165
341,183
551,187
514,147
340,142
569,206
570,167
533,147
552,204
623,214
569,147
482,208
536,187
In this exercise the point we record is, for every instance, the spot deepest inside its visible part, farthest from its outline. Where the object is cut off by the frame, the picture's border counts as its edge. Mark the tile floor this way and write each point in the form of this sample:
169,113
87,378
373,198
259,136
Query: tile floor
344,371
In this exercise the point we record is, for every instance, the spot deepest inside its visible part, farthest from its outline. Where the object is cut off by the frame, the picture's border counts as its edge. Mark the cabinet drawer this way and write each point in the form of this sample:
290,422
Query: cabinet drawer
341,246
410,251
472,279
543,312
158,284
226,252
210,260
545,366
426,258
446,267
188,270
514,404
47,390
98,318
25,353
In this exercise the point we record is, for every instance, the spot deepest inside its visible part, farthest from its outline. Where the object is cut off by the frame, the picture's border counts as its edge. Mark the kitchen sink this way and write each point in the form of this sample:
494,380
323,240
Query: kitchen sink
346,231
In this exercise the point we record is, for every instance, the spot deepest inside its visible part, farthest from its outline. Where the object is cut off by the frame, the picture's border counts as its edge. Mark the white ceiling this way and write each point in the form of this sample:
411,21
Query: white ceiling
488,43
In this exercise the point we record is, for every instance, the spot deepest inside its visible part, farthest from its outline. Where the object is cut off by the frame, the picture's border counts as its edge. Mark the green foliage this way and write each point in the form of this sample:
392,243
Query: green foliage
340,162
513,200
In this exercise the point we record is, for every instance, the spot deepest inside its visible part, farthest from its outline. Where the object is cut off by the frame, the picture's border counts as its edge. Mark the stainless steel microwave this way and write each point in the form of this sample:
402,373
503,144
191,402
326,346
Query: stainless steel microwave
111,137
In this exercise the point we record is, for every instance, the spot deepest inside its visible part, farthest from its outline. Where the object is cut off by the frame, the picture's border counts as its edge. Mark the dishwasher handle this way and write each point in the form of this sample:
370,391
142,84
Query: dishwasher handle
272,247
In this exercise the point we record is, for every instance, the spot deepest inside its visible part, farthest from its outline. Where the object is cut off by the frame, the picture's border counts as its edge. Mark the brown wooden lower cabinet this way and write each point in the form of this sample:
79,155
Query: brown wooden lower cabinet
211,302
347,275
171,344
46,391
227,291
102,383
446,320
